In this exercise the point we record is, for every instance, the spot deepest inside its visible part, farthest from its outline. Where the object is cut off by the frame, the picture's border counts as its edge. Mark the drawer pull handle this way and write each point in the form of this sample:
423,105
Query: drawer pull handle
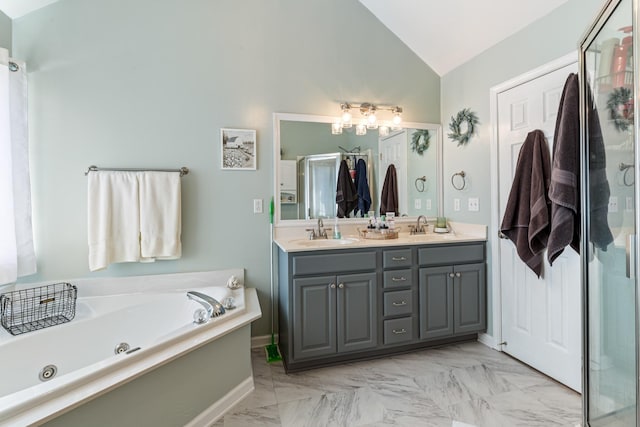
399,279
398,258
399,304
341,285
332,286
400,332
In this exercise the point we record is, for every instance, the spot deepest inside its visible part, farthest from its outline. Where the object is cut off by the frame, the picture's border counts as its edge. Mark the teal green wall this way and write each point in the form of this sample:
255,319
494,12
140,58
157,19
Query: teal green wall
5,31
173,394
468,86
150,84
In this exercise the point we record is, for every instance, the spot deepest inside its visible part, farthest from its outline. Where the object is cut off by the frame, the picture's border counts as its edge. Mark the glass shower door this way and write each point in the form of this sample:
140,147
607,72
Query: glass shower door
321,174
608,252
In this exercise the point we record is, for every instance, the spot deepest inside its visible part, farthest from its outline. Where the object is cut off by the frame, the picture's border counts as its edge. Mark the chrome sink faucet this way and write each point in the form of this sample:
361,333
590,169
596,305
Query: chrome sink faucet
212,306
320,233
418,228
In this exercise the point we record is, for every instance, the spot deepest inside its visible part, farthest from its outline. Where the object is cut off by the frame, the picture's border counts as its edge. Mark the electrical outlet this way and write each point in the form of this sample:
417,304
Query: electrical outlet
456,205
257,206
629,206
428,204
474,204
417,204
613,204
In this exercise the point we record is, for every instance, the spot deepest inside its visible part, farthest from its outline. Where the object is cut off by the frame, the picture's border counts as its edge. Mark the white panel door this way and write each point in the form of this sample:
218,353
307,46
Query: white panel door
540,317
393,150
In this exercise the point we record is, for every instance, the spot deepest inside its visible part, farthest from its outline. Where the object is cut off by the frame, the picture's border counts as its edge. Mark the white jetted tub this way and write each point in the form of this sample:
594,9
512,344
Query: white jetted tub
123,327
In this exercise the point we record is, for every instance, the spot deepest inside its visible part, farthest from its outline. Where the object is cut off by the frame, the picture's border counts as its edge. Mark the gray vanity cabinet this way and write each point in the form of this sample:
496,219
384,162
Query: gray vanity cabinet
331,313
452,297
334,314
346,304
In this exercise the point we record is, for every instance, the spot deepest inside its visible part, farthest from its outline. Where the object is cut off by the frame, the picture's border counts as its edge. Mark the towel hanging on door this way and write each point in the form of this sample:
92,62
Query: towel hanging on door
526,217
564,189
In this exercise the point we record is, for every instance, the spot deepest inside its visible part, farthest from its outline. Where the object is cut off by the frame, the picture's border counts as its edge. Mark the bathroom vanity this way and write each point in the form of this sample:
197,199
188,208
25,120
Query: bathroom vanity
356,299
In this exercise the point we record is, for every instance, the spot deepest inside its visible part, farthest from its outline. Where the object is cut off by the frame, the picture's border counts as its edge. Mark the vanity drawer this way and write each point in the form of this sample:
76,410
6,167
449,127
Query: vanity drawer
398,278
333,263
397,258
398,302
398,330
451,254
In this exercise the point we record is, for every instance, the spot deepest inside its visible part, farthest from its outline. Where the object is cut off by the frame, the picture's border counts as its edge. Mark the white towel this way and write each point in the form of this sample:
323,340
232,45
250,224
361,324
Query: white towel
160,215
113,218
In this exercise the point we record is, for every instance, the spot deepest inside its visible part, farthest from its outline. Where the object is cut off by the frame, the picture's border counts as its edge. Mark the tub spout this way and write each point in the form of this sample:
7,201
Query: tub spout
213,307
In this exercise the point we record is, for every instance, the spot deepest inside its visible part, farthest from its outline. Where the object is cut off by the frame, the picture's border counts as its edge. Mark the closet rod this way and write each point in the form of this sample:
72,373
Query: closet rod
93,168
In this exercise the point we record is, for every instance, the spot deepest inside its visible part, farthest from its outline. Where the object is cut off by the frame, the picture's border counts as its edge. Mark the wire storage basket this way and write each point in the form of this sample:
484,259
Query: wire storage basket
31,309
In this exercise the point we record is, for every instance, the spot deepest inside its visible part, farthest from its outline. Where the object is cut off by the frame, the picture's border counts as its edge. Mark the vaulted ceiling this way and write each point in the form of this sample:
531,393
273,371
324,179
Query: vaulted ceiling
443,33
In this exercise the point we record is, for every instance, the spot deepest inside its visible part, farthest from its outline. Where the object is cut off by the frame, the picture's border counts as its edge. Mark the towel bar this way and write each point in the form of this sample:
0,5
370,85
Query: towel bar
93,168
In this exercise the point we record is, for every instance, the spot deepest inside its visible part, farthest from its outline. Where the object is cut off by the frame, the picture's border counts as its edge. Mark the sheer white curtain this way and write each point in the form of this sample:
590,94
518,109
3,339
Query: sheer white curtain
17,257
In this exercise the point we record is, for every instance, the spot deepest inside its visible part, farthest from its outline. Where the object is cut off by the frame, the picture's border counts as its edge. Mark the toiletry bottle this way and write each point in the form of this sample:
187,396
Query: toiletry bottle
336,230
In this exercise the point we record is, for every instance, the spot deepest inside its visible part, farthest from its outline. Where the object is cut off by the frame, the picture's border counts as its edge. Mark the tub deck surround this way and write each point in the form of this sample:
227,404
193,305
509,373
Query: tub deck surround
295,238
150,312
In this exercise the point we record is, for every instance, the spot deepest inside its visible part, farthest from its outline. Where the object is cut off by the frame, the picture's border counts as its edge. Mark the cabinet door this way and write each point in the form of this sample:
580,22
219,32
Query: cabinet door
436,302
469,296
314,316
357,308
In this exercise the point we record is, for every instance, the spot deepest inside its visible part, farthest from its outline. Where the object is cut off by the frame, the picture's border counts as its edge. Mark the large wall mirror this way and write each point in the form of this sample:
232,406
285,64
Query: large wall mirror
307,158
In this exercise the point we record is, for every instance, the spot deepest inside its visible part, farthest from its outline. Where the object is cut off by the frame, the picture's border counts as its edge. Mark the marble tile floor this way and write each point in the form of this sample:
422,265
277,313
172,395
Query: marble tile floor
464,385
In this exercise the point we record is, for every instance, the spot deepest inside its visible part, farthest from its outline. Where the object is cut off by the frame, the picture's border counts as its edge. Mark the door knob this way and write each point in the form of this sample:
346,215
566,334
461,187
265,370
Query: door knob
458,274
451,275
332,286
341,285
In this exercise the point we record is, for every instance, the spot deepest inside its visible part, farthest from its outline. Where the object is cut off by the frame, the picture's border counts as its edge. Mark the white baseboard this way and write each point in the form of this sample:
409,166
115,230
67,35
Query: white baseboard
216,411
262,341
489,341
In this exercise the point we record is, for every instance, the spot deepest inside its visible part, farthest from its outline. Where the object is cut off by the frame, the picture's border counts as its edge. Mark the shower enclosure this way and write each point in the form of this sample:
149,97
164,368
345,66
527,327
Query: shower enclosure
608,85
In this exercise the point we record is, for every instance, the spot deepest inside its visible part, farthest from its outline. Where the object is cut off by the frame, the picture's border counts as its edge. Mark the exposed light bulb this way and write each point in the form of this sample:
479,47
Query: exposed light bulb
336,128
371,118
397,119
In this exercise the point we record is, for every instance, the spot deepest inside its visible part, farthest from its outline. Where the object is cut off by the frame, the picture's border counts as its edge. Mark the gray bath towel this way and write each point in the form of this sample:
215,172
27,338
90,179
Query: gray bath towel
564,190
526,217
389,197
346,194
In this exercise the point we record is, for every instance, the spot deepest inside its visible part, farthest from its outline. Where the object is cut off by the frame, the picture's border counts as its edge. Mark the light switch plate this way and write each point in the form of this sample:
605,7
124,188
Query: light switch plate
629,204
257,206
474,204
456,204
417,204
613,204
428,204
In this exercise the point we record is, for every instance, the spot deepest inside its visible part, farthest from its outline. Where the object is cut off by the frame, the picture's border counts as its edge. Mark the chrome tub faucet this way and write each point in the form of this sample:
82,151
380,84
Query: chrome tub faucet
211,305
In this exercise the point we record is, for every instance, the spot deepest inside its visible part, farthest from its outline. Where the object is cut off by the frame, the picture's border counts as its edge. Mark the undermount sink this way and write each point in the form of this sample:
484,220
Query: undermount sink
324,242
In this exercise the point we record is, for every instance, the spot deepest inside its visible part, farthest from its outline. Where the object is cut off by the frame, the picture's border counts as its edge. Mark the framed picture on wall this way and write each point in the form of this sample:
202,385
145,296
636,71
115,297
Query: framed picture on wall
238,149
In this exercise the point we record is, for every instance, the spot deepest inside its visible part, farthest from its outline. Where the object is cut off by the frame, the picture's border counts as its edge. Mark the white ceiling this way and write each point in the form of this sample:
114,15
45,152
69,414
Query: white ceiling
447,33
443,33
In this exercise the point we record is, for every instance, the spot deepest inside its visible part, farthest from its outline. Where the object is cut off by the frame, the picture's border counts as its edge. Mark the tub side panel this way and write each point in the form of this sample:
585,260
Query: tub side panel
173,394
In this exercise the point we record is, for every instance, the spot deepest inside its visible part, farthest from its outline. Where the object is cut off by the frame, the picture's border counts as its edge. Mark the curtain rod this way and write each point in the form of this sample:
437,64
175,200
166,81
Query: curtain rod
93,168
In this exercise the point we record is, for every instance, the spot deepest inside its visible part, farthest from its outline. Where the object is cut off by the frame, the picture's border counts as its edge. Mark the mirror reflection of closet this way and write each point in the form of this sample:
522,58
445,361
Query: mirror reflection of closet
308,158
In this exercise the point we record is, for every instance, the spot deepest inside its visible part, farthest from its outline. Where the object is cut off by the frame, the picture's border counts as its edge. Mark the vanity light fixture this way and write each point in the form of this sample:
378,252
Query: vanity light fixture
369,118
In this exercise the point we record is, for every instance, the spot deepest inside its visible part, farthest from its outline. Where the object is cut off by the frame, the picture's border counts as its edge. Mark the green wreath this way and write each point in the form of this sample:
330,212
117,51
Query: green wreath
620,107
470,118
420,141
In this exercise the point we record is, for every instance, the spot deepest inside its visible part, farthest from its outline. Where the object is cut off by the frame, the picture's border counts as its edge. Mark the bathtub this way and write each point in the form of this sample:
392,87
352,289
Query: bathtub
123,328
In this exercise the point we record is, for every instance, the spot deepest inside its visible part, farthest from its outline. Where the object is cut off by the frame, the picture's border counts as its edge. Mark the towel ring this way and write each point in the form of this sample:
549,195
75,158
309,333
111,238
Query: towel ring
421,187
464,182
625,168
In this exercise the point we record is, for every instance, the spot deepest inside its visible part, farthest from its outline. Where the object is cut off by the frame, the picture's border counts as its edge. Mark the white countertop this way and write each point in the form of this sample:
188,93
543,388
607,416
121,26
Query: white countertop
292,239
